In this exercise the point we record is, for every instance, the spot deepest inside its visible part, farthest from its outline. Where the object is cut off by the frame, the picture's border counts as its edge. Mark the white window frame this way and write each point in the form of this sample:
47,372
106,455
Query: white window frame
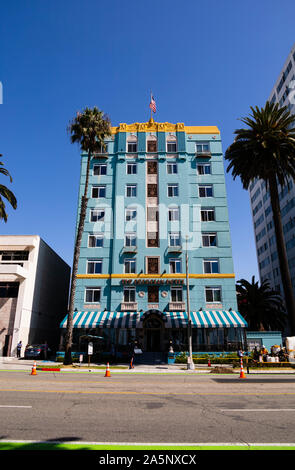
132,143
173,214
129,237
171,165
92,211
207,209
203,166
129,214
175,261
93,289
171,141
174,292
172,236
173,186
99,188
128,262
210,236
203,145
213,289
132,165
94,262
211,262
206,187
99,166
97,236
131,187
129,298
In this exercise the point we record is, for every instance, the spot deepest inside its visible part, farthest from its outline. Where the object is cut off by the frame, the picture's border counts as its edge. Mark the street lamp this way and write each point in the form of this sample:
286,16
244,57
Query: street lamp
190,362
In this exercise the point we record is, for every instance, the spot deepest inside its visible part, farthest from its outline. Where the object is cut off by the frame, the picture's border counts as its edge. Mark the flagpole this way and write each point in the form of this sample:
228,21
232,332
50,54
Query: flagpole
190,362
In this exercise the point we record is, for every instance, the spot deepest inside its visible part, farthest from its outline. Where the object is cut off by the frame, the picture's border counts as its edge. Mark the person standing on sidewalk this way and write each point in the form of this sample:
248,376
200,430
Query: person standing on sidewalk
19,349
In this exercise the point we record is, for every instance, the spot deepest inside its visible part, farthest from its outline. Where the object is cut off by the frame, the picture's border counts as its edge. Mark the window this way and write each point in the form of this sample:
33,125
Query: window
131,147
92,294
131,168
152,144
101,148
130,215
153,265
129,294
205,190
204,169
95,241
14,255
131,190
99,170
207,215
98,191
174,239
175,266
97,215
152,239
130,266
94,266
209,239
171,146
176,294
173,214
172,168
172,190
152,190
152,168
203,147
213,294
130,239
211,266
8,290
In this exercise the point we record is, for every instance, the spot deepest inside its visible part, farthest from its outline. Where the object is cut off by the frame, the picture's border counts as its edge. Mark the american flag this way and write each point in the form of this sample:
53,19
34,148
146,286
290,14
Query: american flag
153,104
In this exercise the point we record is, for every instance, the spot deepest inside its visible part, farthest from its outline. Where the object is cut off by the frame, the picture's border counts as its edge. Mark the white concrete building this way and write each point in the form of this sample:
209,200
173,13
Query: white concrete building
34,284
283,93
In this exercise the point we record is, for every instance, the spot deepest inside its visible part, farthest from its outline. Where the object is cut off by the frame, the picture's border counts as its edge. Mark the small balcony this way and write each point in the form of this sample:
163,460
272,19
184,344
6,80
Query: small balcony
130,249
176,306
128,306
100,155
203,154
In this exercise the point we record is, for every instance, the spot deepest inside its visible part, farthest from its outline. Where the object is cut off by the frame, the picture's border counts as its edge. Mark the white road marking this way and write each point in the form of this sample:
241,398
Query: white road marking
14,406
257,409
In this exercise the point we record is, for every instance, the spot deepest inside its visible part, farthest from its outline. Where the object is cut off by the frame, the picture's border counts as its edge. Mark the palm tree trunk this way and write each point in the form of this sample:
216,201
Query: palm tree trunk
282,252
69,332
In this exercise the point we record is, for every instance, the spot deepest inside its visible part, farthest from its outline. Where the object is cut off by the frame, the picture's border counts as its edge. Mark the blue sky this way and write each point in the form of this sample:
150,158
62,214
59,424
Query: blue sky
206,62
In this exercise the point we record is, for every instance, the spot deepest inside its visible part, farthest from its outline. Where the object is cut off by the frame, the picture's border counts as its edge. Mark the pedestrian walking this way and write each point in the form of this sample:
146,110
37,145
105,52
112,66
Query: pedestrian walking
19,349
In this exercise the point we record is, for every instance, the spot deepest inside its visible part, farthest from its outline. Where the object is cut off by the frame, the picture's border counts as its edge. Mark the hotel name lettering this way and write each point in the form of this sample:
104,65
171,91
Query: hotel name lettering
153,282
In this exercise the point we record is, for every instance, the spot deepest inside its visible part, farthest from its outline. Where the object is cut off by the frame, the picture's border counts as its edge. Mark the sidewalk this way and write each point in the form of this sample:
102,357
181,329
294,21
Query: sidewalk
13,363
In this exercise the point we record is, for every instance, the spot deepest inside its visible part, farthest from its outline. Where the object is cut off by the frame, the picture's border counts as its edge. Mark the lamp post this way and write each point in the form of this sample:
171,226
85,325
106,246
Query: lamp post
190,362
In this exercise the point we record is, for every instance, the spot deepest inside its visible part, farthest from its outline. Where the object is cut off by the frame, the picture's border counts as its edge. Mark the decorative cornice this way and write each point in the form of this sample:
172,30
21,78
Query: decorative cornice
153,276
152,126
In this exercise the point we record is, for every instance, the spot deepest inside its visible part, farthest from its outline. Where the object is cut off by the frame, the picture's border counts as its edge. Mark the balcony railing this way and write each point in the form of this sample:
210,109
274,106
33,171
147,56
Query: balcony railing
204,154
128,306
176,306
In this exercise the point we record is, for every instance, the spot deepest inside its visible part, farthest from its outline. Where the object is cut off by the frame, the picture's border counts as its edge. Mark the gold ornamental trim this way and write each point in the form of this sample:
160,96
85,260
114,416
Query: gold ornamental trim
152,126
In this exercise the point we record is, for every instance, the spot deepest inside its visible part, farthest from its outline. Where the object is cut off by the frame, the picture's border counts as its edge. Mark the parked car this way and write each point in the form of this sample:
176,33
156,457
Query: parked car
37,351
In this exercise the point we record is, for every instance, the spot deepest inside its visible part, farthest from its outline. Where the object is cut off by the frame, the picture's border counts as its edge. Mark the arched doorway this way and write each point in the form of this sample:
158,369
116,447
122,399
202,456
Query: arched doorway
153,329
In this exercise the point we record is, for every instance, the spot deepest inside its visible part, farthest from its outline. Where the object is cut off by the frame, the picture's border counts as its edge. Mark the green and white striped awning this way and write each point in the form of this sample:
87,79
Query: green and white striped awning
200,319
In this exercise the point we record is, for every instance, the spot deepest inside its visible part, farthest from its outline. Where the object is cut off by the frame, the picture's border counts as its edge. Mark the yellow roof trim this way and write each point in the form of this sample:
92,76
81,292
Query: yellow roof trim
152,126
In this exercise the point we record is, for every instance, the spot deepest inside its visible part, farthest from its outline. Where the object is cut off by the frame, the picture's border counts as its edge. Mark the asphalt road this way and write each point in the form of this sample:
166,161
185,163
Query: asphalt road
168,408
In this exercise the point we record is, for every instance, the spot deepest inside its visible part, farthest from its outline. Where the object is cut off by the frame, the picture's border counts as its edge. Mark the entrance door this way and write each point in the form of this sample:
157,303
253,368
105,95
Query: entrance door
153,340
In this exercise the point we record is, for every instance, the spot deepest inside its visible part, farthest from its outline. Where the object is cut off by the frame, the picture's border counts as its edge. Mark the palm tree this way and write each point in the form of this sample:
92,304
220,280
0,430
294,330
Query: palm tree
266,150
6,193
261,306
88,129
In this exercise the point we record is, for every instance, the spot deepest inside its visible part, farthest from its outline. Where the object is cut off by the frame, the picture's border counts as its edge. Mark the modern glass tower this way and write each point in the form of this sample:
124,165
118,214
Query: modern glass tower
283,93
157,195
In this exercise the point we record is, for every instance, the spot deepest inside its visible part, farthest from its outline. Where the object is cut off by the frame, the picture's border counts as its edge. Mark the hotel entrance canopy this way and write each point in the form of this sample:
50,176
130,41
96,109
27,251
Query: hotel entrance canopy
199,319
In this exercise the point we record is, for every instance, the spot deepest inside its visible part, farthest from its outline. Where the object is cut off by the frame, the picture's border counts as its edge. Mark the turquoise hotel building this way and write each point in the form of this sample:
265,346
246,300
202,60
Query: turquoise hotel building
157,228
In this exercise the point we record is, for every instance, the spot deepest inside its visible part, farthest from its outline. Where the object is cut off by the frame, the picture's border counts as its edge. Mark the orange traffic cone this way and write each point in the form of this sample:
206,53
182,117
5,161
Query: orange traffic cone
242,374
34,372
108,373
